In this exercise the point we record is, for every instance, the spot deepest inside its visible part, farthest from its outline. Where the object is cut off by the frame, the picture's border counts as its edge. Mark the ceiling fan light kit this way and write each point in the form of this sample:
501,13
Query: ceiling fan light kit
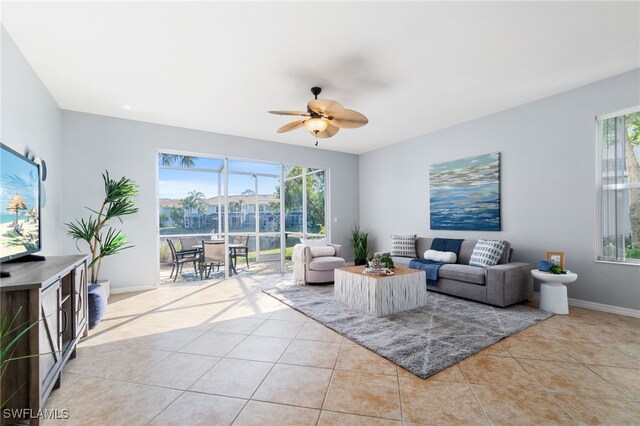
326,117
316,124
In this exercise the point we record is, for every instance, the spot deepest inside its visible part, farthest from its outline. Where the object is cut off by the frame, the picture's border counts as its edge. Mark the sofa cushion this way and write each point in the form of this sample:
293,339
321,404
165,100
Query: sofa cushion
326,263
466,248
487,253
464,256
403,245
322,251
464,273
401,261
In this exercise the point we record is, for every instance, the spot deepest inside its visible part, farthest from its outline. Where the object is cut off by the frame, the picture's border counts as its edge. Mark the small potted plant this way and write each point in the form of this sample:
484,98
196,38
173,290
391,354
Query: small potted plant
360,245
102,239
378,261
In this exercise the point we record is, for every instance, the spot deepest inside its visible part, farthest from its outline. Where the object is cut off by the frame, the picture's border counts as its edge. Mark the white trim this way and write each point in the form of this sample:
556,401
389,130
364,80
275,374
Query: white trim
328,219
598,187
133,289
157,209
283,237
634,262
628,312
304,204
227,266
625,111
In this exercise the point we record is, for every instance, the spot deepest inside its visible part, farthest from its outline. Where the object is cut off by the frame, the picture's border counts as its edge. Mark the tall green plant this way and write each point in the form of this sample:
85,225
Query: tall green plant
359,243
104,240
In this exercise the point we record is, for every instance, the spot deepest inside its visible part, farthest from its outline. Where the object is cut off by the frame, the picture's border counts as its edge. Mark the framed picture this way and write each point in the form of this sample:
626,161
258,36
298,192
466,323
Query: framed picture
557,257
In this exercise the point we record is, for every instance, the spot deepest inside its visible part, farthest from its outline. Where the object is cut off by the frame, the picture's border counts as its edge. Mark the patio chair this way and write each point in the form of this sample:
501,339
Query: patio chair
190,243
213,254
180,257
242,250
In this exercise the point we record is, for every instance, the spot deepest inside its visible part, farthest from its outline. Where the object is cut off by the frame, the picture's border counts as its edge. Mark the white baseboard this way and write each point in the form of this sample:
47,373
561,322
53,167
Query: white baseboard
132,289
599,307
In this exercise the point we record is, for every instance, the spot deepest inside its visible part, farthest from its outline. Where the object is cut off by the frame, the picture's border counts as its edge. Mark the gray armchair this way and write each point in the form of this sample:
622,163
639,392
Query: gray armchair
319,268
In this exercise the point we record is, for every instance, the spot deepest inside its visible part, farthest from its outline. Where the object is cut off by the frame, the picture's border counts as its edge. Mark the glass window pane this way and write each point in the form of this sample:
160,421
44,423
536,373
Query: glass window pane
242,199
250,167
188,201
189,161
620,190
632,243
292,171
269,203
293,205
316,203
631,192
291,239
270,248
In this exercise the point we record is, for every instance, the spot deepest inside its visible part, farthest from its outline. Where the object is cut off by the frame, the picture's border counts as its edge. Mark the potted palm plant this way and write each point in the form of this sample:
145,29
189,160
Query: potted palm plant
102,239
360,245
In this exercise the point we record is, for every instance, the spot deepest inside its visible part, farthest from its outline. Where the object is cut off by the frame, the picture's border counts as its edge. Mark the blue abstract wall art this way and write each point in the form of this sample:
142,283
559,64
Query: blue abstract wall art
465,194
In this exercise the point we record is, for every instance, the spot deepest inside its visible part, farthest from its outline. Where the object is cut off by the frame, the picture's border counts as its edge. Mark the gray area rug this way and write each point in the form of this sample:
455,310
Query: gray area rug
422,341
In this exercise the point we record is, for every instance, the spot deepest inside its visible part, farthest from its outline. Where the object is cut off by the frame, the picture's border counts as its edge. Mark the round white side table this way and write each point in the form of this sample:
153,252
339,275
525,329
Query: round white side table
553,292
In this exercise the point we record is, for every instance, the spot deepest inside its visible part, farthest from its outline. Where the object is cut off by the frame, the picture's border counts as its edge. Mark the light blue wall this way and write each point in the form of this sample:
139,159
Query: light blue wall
31,120
548,183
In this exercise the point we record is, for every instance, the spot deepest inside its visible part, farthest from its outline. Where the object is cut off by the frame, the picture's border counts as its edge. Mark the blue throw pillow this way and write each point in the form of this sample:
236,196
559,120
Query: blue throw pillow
97,304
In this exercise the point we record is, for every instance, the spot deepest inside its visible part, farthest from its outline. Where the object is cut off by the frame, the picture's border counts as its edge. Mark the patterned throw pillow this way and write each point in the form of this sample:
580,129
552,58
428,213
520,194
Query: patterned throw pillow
487,253
403,245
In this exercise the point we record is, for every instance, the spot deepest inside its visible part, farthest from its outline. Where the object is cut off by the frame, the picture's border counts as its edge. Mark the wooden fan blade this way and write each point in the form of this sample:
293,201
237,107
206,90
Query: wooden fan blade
291,126
302,113
326,107
327,133
349,119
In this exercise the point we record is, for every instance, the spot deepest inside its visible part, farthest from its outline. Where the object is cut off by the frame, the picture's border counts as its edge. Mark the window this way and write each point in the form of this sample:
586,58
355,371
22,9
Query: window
200,197
619,176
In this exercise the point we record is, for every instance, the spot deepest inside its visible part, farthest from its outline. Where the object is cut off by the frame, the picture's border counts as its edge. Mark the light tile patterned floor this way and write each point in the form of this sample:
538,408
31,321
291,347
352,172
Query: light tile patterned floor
218,353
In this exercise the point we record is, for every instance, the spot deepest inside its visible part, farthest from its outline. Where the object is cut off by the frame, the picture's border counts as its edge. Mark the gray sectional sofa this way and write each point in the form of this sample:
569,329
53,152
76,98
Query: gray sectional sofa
501,285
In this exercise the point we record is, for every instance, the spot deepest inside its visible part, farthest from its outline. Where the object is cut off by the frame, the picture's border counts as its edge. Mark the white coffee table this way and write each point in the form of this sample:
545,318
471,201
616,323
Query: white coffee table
380,295
553,291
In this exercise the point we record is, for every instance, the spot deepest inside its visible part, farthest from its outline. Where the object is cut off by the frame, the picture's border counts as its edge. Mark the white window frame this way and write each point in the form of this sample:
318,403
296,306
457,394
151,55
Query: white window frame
600,258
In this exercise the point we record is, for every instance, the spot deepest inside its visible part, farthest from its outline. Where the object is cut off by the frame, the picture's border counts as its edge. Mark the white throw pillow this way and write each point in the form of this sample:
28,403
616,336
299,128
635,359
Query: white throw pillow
441,256
403,245
487,253
313,243
322,251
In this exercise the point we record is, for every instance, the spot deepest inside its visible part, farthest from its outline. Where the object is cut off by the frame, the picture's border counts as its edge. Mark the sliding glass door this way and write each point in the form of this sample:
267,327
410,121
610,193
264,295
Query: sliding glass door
264,207
305,205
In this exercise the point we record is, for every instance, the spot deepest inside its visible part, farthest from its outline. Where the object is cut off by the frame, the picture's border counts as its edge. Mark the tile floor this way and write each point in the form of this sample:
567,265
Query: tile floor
221,353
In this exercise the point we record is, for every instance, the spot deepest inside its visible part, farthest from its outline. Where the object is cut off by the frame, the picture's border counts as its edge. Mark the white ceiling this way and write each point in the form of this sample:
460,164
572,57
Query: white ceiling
411,68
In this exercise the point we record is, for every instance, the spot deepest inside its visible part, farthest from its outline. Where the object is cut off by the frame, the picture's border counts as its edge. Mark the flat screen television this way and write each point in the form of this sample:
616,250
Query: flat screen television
20,205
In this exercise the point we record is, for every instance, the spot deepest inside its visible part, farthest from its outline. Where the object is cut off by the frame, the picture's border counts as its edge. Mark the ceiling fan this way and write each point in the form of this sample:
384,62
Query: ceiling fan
324,117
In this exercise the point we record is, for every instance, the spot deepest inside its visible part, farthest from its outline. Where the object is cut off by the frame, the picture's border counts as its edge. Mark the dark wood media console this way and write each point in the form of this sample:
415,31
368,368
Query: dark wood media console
52,293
